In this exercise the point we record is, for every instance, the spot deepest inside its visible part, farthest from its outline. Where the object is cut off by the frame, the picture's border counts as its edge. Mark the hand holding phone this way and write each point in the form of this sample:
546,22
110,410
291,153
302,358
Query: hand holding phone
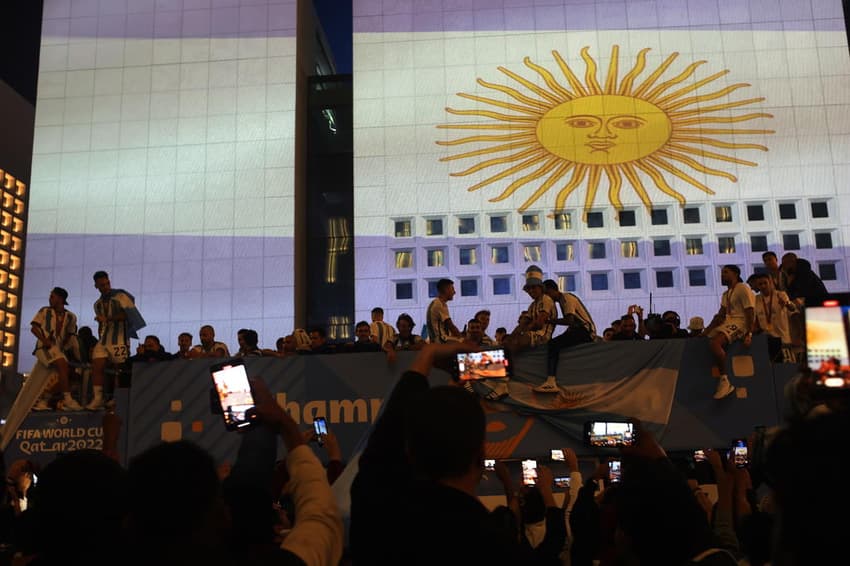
610,434
557,455
230,380
489,464
529,472
615,470
320,427
740,453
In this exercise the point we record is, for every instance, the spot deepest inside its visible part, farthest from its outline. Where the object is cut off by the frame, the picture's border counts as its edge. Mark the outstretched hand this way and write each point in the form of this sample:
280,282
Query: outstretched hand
645,446
433,354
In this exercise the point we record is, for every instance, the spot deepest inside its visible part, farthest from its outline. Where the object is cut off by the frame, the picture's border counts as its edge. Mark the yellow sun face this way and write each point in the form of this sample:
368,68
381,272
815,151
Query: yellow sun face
604,129
569,134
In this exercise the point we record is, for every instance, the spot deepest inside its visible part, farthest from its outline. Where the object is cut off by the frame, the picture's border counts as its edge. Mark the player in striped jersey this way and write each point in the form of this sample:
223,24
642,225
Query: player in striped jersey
118,320
55,327
382,332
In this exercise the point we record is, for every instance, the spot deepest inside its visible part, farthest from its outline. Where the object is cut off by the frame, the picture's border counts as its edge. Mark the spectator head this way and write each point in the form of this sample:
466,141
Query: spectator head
501,332
318,337
101,282
483,316
607,334
789,262
207,335
696,324
771,262
279,345
58,297
672,318
152,343
289,343
363,331
184,341
550,287
617,324
303,342
533,282
628,325
730,274
762,283
445,435
446,289
532,505
474,331
250,339
377,314
405,324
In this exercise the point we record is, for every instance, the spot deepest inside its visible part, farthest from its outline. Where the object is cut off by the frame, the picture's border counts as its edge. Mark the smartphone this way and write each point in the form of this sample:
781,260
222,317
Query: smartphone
827,345
609,434
233,390
557,455
489,464
739,453
320,427
615,470
561,481
34,479
493,363
699,456
529,472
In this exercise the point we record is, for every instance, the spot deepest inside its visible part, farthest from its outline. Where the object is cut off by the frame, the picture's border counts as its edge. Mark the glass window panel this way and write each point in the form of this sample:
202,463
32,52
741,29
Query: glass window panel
787,211
758,243
755,212
466,225
563,221
498,224
627,218
661,247
567,281
664,279
693,246
691,215
564,251
658,216
827,271
723,213
501,285
432,289
820,210
631,280
403,259
468,256
404,291
726,244
402,229
696,277
791,241
823,241
434,227
436,258
629,248
530,222
595,220
596,250
499,254
468,287
531,253
599,281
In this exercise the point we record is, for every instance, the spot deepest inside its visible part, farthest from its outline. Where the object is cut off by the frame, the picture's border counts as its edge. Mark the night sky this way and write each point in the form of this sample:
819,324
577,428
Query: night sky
335,16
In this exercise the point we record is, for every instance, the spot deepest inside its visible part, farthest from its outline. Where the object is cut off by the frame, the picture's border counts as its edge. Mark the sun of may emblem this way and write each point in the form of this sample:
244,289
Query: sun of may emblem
566,135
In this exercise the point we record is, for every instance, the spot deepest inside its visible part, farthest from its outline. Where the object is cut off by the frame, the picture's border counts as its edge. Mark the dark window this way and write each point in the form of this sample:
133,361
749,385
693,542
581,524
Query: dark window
563,221
468,287
468,256
498,224
465,225
599,281
434,227
404,291
820,210
823,240
662,247
758,243
627,218
755,212
827,271
500,254
691,215
658,216
791,241
664,279
564,251
787,211
595,220
432,289
568,282
631,280
693,246
696,277
726,244
502,286
530,222
402,229
597,250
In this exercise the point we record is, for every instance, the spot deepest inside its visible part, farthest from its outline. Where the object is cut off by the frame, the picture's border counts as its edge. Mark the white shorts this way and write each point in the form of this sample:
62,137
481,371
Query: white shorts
732,330
116,354
47,356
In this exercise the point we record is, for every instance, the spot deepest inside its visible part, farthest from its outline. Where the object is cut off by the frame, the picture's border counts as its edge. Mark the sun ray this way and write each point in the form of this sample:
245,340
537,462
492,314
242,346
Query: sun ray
659,181
562,170
637,185
723,119
474,139
629,79
611,80
496,161
717,143
592,186
510,171
536,174
705,97
488,114
487,150
500,104
515,94
715,108
683,91
575,181
722,131
590,73
694,164
571,77
680,78
512,127
710,154
531,86
549,79
615,181
673,170
650,80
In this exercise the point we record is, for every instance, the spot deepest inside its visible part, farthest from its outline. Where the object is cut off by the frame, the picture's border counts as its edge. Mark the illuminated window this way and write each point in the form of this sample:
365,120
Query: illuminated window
436,257
691,215
820,210
755,212
599,281
726,244
499,254
627,218
403,259
791,241
432,289
758,243
631,280
629,248
468,287
787,211
827,271
567,282
823,241
595,220
693,246
466,225
530,222
531,253
658,216
501,285
564,251
664,279
404,290
468,256
596,250
563,221
434,227
723,213
498,224
696,277
403,229
661,248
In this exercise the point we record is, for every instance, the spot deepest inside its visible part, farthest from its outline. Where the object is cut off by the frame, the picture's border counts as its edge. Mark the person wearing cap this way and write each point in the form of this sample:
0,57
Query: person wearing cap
55,326
734,321
696,326
542,314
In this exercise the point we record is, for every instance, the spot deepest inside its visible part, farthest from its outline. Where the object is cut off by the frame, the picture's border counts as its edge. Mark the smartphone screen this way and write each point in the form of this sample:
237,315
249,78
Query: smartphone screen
320,427
486,364
234,393
489,464
557,455
739,453
615,470
529,472
609,433
827,344
699,456
561,481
